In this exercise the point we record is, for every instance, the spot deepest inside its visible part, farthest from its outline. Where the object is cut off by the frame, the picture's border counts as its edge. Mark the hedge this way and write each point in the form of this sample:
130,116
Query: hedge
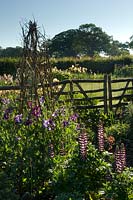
97,65
8,66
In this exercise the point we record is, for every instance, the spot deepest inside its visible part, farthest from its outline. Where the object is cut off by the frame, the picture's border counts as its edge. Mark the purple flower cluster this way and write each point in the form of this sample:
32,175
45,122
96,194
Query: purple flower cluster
7,112
120,157
74,117
49,124
83,142
41,100
36,111
100,136
18,118
5,101
61,111
55,114
65,123
28,122
18,138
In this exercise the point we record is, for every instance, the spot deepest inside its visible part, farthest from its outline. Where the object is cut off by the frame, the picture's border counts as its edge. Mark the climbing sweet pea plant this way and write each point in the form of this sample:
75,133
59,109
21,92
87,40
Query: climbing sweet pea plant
32,140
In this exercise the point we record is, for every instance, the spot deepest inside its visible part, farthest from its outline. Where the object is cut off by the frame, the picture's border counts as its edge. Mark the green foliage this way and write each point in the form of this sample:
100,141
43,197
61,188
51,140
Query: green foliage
121,186
69,196
118,130
7,190
126,71
82,177
92,39
60,75
8,66
91,117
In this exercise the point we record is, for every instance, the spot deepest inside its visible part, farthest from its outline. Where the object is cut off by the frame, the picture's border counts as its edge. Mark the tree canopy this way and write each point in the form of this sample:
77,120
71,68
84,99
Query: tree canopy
63,44
87,40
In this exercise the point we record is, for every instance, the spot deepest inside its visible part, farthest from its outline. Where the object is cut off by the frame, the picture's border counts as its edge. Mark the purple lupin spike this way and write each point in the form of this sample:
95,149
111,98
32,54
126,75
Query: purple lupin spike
100,136
118,164
123,155
120,158
83,142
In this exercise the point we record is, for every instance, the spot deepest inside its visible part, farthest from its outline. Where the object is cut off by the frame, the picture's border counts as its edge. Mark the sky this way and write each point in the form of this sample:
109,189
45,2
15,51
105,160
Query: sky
115,17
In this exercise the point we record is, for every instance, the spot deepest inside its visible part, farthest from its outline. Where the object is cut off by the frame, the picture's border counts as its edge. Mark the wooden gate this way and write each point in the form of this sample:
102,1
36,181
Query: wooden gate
83,94
120,92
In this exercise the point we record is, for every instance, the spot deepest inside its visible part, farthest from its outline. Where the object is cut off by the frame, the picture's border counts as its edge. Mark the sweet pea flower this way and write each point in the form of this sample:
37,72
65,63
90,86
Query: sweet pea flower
45,123
49,124
36,111
74,117
18,118
5,101
28,122
41,100
7,112
65,123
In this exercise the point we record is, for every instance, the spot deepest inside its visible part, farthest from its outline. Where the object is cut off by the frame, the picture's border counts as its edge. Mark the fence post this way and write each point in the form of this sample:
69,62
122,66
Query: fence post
105,94
71,90
132,91
110,92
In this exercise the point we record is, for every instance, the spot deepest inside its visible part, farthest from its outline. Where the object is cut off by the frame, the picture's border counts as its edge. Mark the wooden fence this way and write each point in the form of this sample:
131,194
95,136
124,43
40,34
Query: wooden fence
111,95
106,94
82,95
120,92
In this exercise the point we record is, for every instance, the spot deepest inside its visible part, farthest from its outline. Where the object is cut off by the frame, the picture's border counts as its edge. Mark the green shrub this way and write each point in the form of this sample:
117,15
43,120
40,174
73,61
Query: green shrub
118,130
121,186
81,178
126,71
7,190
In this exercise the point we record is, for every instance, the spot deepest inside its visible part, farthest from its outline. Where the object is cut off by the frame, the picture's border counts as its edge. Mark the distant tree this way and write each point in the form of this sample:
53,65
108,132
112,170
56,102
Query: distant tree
124,48
93,39
116,48
11,52
63,44
87,40
0,51
130,44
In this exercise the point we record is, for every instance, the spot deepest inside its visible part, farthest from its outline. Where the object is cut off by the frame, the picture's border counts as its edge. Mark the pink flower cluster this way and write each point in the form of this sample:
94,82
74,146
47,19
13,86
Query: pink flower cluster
83,142
120,157
100,136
